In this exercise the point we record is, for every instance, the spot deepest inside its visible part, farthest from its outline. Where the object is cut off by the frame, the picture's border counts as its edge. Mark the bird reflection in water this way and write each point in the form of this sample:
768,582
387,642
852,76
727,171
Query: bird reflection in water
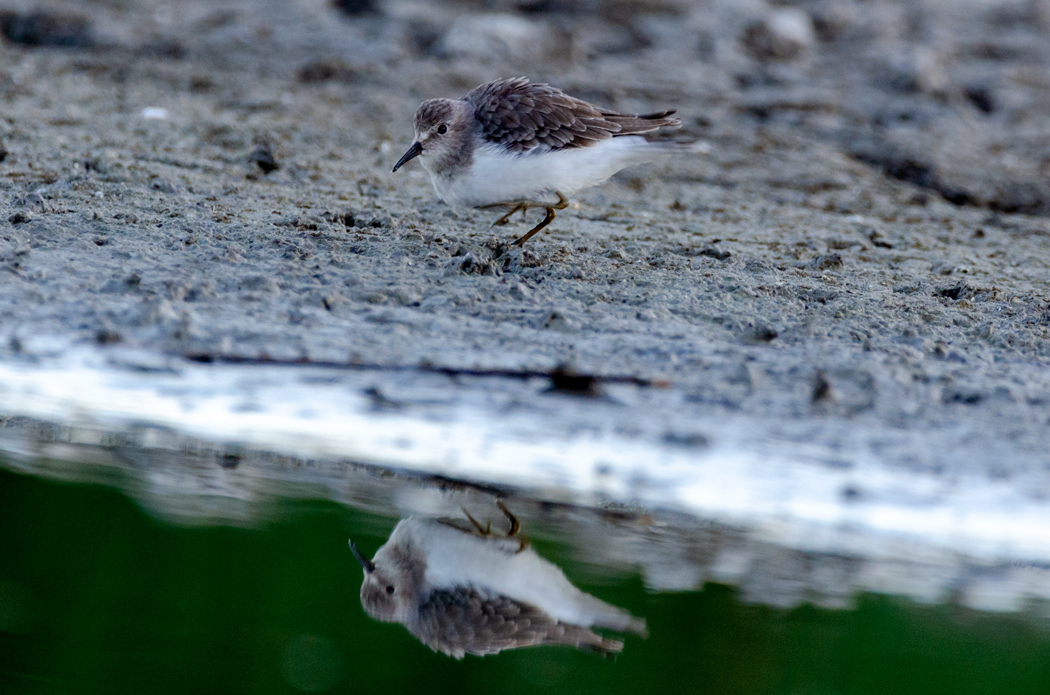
465,589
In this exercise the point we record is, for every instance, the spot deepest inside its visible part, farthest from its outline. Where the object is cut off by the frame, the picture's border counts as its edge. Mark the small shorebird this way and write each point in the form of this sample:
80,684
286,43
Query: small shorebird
468,591
517,144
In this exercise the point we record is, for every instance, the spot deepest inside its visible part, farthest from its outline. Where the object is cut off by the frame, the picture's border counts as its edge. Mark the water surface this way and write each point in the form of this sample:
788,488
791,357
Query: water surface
98,595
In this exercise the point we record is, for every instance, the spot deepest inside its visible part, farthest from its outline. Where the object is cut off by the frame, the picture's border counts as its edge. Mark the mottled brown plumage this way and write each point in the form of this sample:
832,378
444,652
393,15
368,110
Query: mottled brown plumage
464,621
521,115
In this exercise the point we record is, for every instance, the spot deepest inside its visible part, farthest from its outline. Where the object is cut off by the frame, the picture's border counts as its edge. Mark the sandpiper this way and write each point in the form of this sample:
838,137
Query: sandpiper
517,144
470,591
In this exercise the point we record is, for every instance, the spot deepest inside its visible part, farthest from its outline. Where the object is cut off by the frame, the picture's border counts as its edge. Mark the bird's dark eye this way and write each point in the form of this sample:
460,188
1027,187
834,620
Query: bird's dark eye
442,129
390,590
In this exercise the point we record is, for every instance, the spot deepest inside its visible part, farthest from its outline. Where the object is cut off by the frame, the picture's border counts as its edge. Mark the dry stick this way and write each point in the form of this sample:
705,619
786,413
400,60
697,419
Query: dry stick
557,374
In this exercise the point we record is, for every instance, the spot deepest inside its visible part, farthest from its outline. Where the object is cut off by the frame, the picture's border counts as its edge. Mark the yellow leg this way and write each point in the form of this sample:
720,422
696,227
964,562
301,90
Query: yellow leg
520,206
547,219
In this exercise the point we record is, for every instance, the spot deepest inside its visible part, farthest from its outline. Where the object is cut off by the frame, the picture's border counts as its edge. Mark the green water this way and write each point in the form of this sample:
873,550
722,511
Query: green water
98,597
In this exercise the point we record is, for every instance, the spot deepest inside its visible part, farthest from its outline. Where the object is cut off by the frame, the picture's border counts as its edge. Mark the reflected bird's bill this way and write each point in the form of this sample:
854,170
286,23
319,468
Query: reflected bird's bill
473,591
365,563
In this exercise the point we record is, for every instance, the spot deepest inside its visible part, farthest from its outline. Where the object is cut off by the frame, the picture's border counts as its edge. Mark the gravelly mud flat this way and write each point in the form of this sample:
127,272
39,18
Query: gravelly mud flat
857,270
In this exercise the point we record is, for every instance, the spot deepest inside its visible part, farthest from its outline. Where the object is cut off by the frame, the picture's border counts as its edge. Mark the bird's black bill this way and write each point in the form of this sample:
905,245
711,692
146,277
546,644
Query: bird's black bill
412,153
365,562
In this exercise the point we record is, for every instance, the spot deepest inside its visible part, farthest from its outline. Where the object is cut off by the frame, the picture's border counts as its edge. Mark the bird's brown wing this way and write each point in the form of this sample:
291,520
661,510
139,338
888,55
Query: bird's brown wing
464,621
521,115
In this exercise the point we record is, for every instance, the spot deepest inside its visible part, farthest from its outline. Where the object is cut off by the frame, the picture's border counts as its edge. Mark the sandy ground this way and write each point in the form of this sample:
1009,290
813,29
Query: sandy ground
857,270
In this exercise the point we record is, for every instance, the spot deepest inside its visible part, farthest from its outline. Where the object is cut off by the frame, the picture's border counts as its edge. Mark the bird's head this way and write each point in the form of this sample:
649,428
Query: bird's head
389,591
443,129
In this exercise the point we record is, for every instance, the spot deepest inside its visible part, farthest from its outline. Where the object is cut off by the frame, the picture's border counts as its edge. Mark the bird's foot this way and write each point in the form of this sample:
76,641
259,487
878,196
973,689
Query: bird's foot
562,203
503,220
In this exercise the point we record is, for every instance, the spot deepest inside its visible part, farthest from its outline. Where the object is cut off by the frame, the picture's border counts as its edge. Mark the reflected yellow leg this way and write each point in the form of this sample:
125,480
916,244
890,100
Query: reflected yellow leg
515,526
485,531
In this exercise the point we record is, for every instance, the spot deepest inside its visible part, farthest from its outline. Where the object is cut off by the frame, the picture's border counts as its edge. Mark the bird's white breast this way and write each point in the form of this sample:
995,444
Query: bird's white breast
497,175
456,558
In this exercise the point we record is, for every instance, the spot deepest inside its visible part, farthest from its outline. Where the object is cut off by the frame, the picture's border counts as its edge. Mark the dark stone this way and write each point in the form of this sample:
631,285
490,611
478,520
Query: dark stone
981,98
763,334
964,291
717,254
565,380
42,28
907,169
325,71
826,261
106,336
164,48
264,159
540,7
693,440
356,8
1024,197
162,185
821,388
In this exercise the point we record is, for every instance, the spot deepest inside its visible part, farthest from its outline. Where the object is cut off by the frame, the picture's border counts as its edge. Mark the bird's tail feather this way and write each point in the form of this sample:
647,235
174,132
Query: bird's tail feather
582,638
634,125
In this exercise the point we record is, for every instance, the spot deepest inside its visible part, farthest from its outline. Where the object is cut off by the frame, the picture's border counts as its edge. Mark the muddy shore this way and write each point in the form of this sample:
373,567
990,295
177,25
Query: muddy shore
857,269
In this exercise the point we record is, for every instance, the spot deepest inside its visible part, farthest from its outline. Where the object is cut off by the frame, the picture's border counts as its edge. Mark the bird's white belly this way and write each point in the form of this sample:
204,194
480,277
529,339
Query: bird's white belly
455,558
497,176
